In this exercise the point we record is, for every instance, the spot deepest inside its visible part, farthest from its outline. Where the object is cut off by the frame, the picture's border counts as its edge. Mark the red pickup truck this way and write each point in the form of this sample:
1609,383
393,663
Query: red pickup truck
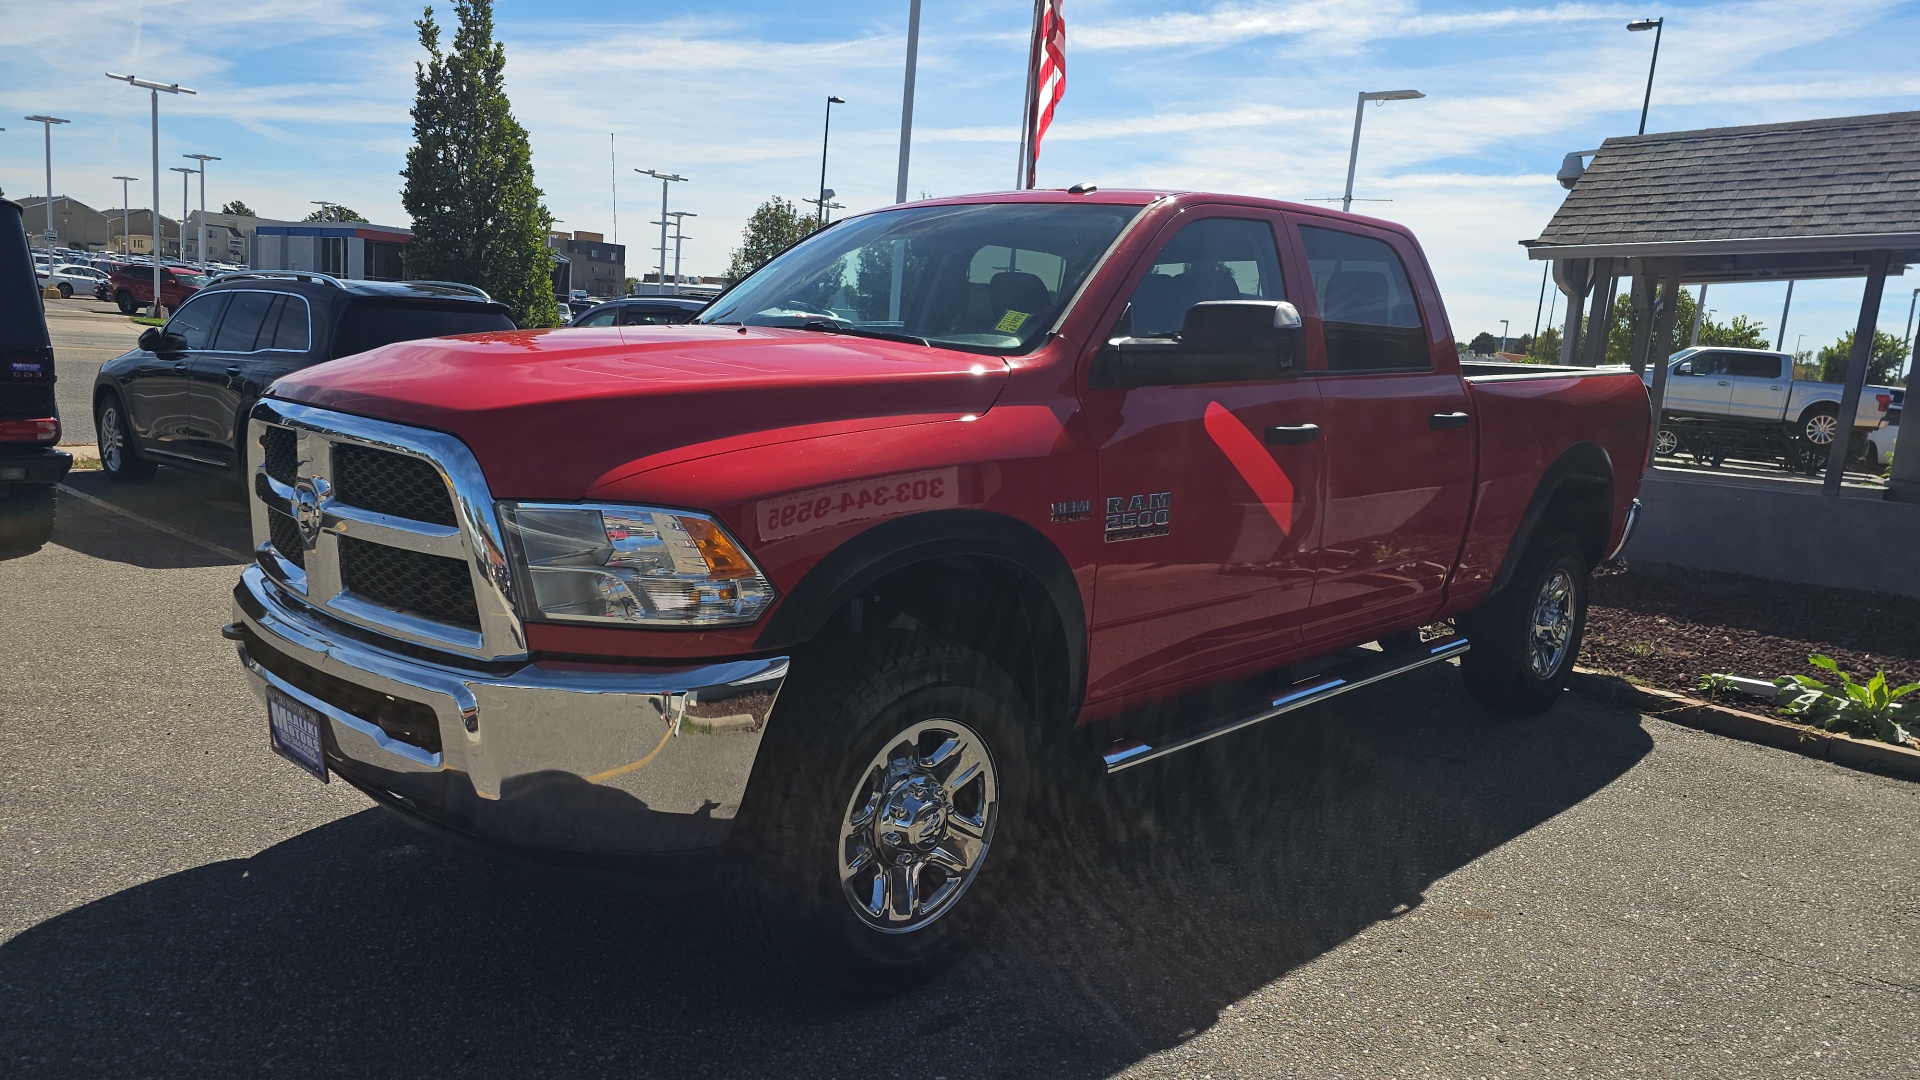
944,493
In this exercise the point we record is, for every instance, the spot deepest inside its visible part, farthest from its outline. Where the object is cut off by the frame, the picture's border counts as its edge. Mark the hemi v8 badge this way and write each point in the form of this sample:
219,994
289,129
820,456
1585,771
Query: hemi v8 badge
1135,517
1076,510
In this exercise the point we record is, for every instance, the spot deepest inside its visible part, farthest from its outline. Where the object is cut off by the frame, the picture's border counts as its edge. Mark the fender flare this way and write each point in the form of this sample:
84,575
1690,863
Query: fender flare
1583,462
898,544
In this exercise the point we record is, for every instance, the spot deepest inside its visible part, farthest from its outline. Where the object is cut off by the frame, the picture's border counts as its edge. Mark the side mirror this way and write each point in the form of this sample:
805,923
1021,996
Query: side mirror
157,341
150,339
1219,341
1684,367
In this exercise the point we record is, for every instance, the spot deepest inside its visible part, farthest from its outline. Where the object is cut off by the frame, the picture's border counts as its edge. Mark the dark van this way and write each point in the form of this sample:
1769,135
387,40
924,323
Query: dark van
29,422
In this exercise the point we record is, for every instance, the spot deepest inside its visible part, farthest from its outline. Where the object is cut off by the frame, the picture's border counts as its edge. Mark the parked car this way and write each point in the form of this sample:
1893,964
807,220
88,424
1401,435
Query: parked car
70,278
1880,444
1755,386
807,585
182,397
640,311
131,286
30,463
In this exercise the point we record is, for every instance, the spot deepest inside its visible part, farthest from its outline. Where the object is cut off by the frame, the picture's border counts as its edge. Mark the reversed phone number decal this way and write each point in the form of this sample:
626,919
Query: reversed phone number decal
820,508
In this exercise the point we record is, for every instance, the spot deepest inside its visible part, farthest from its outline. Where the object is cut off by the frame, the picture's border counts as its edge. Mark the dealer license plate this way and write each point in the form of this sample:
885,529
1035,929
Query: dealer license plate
295,731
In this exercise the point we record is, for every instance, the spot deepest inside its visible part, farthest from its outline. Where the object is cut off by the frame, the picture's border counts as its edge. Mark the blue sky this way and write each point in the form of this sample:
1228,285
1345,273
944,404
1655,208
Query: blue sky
308,100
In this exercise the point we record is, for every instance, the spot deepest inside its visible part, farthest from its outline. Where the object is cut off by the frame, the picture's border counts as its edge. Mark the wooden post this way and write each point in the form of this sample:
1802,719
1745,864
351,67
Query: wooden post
1856,371
1661,348
1642,314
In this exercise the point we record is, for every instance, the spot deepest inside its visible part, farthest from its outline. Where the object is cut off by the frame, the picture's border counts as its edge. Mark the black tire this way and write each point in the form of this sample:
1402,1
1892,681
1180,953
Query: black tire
26,520
841,715
1502,670
66,291
1819,425
127,304
118,459
1669,439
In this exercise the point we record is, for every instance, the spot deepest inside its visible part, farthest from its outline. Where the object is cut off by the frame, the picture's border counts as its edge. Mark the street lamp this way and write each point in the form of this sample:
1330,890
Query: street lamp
665,180
126,216
154,88
1503,337
825,129
678,236
1359,112
1655,25
1909,337
185,173
46,124
326,208
200,241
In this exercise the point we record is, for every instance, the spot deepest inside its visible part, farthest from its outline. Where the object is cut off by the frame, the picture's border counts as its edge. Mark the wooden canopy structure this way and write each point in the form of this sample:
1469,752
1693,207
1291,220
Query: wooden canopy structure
1833,198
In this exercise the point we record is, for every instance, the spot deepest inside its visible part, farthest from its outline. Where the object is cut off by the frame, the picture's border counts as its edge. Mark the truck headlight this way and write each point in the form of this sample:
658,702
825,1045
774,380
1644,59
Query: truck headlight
632,565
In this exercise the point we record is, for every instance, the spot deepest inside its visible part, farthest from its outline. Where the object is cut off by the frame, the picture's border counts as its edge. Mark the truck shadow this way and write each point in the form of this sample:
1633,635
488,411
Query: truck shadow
1146,905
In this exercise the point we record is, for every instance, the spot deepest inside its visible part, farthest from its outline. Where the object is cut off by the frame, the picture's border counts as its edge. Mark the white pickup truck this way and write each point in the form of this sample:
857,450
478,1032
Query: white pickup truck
1757,385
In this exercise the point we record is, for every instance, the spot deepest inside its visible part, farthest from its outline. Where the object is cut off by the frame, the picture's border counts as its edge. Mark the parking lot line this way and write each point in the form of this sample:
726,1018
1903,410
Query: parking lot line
161,526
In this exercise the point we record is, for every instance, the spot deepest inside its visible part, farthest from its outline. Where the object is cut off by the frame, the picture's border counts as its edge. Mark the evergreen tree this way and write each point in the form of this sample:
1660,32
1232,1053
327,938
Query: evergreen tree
477,216
239,209
774,225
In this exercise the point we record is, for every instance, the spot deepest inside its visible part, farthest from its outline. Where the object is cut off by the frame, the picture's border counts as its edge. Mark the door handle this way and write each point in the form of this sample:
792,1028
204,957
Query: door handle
1724,382
1448,421
179,365
1292,434
233,370
1773,387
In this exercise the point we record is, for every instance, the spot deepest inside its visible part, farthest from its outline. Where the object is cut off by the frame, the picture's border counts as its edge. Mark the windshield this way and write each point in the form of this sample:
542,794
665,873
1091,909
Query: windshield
985,277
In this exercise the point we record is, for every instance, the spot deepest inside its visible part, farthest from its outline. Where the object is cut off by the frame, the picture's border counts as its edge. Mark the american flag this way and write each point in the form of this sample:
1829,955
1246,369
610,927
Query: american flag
1047,79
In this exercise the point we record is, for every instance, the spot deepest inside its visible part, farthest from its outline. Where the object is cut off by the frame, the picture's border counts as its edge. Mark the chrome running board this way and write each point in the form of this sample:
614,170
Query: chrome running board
1127,753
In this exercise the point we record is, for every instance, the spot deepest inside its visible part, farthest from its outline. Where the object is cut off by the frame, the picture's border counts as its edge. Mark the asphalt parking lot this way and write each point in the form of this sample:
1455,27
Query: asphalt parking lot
86,333
1394,884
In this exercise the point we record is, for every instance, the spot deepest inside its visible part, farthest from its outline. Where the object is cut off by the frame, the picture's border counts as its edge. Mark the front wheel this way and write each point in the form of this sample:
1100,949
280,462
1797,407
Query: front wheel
1666,443
1526,637
117,457
125,301
882,813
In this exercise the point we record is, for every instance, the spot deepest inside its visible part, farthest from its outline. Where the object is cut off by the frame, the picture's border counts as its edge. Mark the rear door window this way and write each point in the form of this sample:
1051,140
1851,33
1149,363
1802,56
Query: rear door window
246,313
1748,366
1367,308
600,318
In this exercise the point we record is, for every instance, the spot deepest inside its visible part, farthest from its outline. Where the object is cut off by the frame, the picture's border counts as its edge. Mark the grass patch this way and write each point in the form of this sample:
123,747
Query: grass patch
146,320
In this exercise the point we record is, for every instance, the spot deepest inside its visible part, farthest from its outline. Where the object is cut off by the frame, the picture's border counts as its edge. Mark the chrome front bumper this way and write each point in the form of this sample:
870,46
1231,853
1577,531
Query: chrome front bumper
540,759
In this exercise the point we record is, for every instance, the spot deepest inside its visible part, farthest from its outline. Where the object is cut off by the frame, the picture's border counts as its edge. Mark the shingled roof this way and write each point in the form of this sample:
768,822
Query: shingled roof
1852,182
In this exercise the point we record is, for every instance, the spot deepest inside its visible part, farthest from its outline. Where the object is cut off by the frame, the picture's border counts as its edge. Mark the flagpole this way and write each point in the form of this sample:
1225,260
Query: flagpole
1024,180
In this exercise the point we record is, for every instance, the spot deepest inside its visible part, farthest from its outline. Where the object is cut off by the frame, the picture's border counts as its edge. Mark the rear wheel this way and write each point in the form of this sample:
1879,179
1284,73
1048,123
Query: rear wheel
117,457
1526,637
1666,443
882,813
1821,425
66,291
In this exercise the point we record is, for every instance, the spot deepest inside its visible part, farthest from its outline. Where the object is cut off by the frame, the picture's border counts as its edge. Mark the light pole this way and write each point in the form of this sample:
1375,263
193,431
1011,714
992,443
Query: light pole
126,216
200,241
1360,112
46,124
1657,26
326,208
1909,336
665,179
1503,337
826,129
678,236
185,175
906,101
154,88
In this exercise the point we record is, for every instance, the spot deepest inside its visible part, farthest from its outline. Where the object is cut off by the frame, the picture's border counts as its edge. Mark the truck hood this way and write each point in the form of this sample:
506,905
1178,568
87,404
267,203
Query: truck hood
549,413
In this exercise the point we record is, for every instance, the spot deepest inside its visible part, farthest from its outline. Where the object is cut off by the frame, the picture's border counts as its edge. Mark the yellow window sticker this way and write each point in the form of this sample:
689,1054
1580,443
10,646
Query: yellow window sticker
1011,322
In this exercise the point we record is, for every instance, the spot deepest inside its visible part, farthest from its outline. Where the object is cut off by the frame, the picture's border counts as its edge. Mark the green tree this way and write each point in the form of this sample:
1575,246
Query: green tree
775,224
239,209
1483,344
1545,349
326,212
477,216
1889,353
1740,333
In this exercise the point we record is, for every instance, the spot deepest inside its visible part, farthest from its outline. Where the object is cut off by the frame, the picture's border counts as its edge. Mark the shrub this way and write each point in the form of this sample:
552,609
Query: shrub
1870,710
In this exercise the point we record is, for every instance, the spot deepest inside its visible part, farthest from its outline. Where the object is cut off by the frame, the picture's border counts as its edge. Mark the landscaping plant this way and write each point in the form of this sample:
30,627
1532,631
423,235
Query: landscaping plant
1871,710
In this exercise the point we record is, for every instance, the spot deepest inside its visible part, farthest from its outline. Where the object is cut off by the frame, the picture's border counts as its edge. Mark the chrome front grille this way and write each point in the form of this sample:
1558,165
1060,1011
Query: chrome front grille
387,527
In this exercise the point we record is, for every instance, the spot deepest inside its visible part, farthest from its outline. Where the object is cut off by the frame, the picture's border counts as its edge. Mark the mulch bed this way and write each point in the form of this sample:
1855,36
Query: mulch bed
1667,627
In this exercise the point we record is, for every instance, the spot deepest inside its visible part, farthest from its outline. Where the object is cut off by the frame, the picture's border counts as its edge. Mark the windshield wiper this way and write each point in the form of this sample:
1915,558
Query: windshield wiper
828,327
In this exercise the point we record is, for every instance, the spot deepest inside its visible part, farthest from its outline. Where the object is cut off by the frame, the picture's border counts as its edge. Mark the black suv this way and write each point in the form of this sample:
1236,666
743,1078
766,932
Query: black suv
641,311
29,422
182,397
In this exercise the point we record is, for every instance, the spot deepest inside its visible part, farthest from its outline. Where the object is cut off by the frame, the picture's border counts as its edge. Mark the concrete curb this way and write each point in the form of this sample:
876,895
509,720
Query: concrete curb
1875,757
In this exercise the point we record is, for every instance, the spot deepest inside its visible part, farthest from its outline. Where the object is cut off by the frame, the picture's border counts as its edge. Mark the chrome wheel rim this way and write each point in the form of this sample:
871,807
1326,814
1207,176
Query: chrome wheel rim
1552,625
917,826
110,439
1821,429
1665,443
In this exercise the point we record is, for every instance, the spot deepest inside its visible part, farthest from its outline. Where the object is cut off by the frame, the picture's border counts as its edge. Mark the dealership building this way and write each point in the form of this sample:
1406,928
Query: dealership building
343,249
